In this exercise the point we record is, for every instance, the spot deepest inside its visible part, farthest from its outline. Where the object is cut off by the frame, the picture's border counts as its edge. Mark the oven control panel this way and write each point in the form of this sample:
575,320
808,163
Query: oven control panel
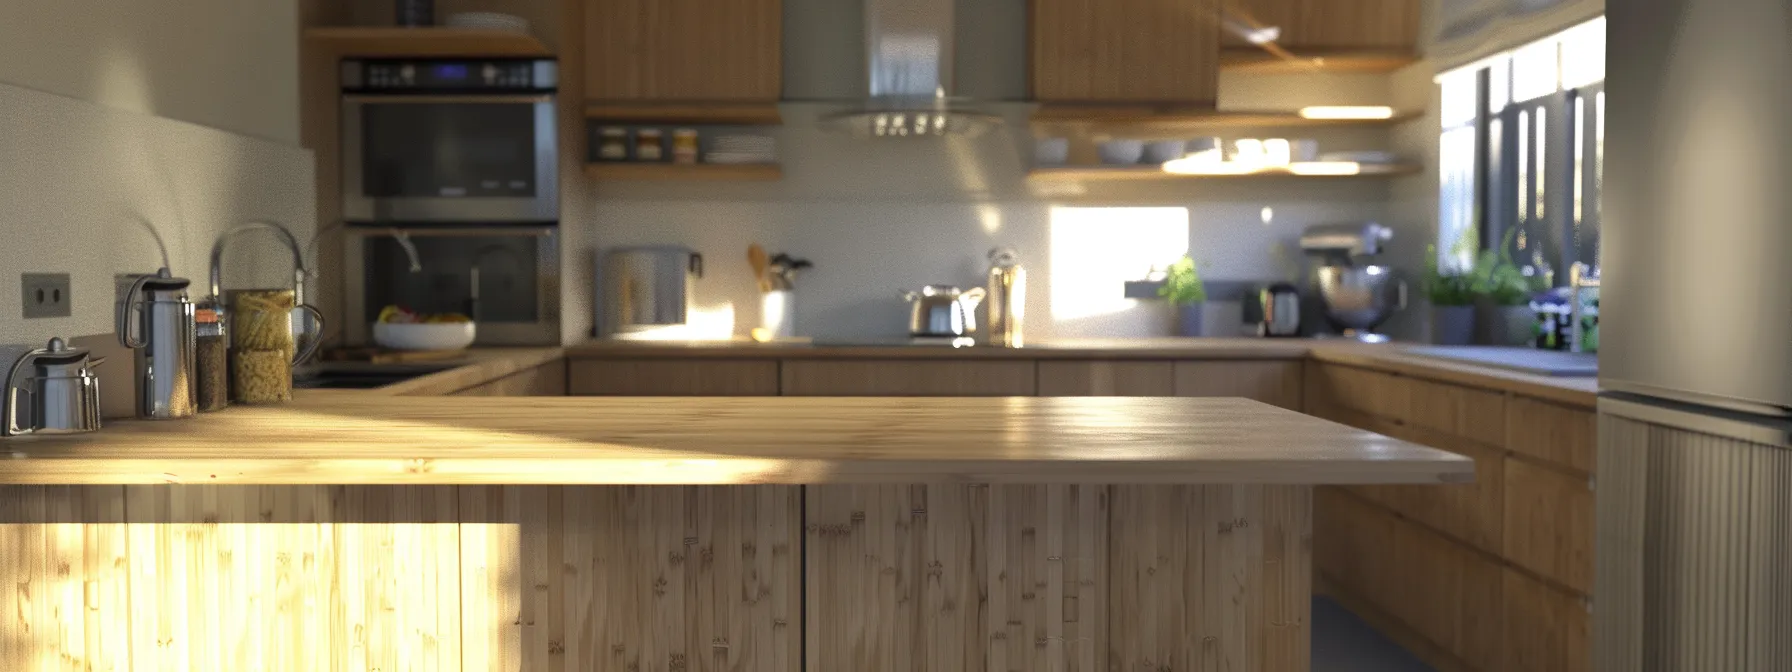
449,75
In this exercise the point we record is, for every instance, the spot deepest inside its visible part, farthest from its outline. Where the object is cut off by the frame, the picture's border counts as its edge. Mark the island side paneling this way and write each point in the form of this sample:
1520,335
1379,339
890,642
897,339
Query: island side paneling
646,578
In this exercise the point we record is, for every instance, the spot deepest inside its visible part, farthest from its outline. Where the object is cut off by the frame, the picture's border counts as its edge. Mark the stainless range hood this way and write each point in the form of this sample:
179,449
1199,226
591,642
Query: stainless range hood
908,51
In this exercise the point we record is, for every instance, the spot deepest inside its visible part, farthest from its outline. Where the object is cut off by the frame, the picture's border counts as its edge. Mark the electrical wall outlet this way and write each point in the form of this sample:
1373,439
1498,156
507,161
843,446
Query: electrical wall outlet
46,295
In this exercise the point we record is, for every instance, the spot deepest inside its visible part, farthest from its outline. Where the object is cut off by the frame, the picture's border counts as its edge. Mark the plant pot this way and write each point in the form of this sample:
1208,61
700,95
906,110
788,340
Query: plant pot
1505,325
1188,319
1453,325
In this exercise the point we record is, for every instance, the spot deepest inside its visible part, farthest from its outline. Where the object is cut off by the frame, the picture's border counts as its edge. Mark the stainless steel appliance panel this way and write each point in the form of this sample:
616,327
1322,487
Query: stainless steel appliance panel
1697,289
1691,515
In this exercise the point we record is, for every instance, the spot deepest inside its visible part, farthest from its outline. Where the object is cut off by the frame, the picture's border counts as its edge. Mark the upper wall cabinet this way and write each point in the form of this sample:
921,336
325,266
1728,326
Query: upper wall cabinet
1330,25
1126,51
690,51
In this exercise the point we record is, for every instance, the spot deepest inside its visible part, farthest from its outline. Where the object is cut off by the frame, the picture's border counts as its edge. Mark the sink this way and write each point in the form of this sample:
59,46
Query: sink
361,375
1525,360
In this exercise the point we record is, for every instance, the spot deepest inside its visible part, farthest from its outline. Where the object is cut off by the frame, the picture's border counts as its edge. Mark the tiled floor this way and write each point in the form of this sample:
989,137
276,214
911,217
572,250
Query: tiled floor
1344,643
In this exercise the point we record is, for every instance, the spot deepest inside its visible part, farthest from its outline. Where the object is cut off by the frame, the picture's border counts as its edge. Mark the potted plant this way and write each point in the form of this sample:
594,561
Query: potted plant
1503,294
1183,287
1452,297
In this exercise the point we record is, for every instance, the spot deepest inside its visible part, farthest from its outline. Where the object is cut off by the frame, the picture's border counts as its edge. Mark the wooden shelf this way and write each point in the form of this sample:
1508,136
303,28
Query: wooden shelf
1134,117
1255,60
426,41
742,172
727,114
1120,173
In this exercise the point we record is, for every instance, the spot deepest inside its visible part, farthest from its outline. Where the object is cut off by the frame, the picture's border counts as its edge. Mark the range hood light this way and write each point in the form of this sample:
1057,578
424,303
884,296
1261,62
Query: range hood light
1347,112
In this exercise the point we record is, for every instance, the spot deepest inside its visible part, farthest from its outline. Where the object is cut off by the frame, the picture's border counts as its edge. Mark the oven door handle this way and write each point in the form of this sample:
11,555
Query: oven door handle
449,99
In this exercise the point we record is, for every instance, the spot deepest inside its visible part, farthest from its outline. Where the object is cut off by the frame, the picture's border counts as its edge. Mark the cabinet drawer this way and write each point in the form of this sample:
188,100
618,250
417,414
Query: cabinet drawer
1353,542
1465,412
1448,594
1549,524
1470,512
1545,629
1551,432
673,378
1382,395
1271,382
1105,379
908,378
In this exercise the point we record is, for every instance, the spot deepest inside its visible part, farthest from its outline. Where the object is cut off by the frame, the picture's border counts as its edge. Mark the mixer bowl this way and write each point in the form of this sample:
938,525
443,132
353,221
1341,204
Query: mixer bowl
1360,298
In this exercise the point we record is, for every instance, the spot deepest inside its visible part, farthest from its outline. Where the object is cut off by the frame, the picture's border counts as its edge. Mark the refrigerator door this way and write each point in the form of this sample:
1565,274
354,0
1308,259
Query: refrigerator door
1697,298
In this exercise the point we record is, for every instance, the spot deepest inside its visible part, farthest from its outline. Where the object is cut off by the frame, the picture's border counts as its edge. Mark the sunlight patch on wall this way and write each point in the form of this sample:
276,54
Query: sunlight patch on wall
1095,250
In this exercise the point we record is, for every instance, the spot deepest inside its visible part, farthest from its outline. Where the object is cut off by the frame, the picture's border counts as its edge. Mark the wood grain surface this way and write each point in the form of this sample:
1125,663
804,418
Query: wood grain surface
719,441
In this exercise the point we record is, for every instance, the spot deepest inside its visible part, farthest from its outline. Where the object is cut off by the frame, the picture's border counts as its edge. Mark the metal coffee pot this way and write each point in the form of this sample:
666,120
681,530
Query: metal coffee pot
156,320
64,394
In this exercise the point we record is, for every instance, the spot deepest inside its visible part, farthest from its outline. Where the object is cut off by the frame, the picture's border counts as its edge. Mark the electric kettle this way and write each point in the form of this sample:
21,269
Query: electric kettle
64,392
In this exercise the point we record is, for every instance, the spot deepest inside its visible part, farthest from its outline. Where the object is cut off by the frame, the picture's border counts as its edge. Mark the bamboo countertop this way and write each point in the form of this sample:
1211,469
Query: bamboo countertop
1390,357
345,439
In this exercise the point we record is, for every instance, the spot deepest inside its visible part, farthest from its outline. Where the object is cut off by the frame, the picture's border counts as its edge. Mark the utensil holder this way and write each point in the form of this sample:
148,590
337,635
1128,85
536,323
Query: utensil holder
776,314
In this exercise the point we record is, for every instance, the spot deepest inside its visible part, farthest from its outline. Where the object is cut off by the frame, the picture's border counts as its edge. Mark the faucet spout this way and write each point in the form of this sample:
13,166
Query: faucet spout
299,272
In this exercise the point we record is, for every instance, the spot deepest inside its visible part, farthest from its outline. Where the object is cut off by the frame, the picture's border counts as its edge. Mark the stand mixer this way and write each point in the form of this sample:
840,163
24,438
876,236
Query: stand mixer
1346,288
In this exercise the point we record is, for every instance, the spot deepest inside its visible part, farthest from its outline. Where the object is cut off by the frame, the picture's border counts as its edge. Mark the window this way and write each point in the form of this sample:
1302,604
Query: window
1521,154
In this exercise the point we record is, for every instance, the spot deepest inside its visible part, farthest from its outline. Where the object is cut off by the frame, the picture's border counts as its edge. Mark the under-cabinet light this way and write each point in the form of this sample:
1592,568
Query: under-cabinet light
1347,112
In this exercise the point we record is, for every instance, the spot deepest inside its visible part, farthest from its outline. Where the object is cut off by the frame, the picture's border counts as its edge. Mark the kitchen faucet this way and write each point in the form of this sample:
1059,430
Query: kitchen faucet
299,272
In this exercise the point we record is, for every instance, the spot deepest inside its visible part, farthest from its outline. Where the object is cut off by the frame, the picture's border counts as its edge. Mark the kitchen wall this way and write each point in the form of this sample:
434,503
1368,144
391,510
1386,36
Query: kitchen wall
133,127
879,215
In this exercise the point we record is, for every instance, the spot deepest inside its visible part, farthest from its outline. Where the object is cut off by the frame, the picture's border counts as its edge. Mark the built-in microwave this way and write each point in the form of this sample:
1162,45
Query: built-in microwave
449,140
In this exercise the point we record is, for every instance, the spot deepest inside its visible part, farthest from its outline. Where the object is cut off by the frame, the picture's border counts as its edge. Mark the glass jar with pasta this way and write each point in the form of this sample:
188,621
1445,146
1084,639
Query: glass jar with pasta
262,345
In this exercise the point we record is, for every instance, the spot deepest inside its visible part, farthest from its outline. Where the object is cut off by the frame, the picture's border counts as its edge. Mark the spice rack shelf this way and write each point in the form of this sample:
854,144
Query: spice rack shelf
739,172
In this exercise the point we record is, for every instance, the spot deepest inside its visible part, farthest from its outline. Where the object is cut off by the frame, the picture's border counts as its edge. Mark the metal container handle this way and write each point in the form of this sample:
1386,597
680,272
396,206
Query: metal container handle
10,426
317,335
128,308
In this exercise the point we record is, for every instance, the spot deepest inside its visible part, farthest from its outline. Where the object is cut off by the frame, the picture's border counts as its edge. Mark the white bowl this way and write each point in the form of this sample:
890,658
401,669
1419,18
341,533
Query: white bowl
1122,152
1051,151
436,336
1159,151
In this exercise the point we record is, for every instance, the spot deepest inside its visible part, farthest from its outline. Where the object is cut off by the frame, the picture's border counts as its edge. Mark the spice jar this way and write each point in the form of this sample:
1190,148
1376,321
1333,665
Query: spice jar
262,346
612,144
650,145
684,146
212,365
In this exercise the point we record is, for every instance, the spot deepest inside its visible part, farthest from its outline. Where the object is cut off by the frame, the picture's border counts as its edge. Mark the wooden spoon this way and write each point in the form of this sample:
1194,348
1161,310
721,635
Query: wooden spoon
756,257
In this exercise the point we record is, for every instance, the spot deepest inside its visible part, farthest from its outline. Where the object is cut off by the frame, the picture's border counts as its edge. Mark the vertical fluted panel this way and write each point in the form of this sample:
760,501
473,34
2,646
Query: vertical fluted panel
1695,541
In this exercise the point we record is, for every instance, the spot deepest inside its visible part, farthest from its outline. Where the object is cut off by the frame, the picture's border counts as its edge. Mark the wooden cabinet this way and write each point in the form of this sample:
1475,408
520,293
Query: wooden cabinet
547,380
1449,594
1125,51
673,378
1106,379
1330,25
1271,382
1382,395
908,378
683,50
1552,433
1468,512
1549,524
1545,629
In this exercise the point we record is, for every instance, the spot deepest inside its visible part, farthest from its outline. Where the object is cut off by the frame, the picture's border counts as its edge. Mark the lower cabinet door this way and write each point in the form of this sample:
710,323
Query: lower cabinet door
1546,629
1271,382
673,377
908,378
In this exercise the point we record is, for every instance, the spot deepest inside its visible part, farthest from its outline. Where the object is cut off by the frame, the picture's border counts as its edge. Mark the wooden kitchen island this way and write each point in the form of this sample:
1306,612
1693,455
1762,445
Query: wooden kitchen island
362,532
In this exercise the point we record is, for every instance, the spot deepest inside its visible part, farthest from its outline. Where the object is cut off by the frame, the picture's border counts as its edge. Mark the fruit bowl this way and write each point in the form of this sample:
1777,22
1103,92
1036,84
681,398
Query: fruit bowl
424,336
